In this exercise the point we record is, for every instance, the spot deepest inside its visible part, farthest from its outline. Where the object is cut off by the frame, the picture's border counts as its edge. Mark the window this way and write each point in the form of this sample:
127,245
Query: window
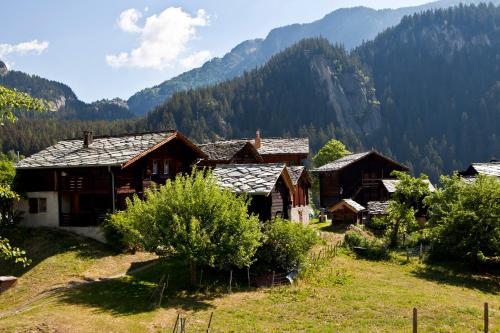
37,205
166,167
155,167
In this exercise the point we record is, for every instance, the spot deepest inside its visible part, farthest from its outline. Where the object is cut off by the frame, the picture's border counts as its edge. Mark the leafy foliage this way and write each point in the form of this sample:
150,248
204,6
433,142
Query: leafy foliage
286,245
193,218
405,203
370,248
12,100
331,151
464,218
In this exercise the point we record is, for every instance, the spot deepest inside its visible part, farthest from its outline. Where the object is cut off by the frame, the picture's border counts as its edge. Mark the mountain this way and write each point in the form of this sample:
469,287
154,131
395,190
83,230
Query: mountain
61,98
425,92
348,27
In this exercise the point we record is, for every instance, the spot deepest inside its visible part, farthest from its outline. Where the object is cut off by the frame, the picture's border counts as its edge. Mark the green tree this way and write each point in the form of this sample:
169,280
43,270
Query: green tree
464,218
405,203
331,151
193,218
12,100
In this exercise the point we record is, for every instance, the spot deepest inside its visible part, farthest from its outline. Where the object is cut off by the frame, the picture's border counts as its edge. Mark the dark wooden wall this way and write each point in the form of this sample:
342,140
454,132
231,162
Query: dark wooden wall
359,181
289,159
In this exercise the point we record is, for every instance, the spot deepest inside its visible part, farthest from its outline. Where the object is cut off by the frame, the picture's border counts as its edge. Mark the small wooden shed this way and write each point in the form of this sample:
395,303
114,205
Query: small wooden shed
347,210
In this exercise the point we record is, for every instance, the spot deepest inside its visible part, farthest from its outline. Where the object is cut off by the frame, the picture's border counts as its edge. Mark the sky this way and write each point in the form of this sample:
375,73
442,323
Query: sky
114,48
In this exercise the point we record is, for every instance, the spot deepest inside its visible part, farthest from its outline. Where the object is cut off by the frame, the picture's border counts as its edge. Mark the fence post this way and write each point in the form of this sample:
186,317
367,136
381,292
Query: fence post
415,322
201,276
486,318
230,279
210,322
248,276
176,323
272,282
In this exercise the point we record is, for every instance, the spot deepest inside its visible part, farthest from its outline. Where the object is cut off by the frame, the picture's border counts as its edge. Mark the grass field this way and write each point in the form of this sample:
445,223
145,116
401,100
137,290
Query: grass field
344,295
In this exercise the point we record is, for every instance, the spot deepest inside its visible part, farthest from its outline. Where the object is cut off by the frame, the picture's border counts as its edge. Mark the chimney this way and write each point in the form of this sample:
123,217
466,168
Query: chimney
258,143
87,138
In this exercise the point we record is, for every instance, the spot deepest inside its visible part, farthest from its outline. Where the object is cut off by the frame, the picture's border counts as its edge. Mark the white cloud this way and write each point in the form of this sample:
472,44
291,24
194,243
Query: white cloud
33,46
163,39
195,59
128,20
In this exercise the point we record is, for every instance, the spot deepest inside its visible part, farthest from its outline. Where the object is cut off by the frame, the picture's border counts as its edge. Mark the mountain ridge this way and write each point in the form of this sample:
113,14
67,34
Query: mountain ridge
339,27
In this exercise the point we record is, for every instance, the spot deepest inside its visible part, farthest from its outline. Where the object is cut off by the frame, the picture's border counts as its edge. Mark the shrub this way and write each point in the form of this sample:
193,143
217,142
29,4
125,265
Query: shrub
120,235
463,219
370,248
378,223
286,245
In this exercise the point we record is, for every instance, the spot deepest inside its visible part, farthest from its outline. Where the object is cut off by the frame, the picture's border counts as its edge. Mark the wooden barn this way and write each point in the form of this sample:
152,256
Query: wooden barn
300,210
75,183
269,185
357,177
491,168
347,210
291,151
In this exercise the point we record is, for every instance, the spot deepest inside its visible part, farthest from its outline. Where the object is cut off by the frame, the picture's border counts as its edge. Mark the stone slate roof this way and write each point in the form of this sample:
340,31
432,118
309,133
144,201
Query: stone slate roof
270,146
223,150
253,179
377,207
356,207
104,151
489,169
342,162
390,185
349,159
295,172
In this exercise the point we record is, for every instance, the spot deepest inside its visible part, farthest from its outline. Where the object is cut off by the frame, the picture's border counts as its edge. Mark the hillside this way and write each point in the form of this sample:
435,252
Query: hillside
406,93
62,99
342,294
348,27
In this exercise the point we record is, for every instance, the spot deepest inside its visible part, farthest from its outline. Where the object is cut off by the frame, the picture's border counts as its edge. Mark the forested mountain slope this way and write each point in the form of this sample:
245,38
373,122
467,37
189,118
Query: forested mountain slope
348,27
62,100
437,77
426,92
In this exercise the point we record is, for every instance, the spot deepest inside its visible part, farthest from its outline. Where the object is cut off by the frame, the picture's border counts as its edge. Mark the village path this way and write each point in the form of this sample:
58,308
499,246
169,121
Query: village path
68,286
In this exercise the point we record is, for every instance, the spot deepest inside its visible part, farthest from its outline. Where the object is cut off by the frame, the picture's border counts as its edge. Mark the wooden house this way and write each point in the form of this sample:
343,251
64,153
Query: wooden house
491,168
269,186
300,210
347,210
291,152
356,176
75,183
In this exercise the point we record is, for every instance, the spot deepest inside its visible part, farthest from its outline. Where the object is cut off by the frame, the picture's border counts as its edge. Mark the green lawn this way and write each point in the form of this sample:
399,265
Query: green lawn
345,295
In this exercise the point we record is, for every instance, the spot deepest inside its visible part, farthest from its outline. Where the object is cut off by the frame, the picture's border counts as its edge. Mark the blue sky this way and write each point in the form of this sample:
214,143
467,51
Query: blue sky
106,49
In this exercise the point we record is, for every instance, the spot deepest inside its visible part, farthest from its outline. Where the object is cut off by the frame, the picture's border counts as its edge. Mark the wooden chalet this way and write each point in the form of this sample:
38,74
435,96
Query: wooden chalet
347,210
269,186
356,176
291,152
75,183
491,168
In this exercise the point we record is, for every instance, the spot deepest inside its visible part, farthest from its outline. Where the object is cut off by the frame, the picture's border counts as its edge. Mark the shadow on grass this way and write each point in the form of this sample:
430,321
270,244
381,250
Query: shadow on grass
336,227
133,294
41,243
458,275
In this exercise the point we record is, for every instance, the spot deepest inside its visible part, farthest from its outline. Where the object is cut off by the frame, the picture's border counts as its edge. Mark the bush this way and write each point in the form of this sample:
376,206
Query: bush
286,245
378,223
370,248
120,235
463,219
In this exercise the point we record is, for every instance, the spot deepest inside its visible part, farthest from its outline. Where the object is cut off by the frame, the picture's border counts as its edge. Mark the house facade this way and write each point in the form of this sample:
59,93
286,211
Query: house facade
357,176
75,183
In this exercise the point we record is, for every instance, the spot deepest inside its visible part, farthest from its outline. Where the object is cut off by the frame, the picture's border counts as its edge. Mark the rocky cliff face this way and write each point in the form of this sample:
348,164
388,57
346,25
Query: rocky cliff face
351,97
3,68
